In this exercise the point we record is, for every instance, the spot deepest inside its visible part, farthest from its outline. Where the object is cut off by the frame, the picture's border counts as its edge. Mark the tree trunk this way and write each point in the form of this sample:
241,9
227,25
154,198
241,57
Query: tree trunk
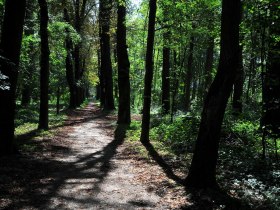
26,90
271,84
202,172
237,104
123,68
44,64
98,86
165,77
149,73
189,75
165,98
209,65
25,95
106,63
70,75
58,101
10,49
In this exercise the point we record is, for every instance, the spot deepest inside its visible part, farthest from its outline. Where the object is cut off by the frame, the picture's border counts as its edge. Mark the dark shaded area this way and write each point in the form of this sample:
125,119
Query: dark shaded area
209,200
141,203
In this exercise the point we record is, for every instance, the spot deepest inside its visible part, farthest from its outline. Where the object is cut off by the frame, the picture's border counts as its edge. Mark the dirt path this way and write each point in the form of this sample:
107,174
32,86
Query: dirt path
82,167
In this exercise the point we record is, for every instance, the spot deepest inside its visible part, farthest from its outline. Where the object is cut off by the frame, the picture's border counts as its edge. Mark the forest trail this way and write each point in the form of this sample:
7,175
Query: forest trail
83,166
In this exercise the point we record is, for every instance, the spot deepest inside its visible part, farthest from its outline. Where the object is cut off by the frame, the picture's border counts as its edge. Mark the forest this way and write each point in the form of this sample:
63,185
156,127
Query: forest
140,104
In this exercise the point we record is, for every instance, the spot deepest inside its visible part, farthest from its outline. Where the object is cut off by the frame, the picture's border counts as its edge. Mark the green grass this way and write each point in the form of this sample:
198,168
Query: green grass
26,122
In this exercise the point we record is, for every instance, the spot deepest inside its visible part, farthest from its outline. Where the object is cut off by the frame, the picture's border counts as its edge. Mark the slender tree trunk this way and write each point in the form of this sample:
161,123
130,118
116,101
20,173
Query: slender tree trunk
70,75
165,97
98,86
149,73
26,90
123,67
189,75
209,65
237,104
77,91
25,95
202,173
58,101
106,64
251,76
165,76
10,49
44,64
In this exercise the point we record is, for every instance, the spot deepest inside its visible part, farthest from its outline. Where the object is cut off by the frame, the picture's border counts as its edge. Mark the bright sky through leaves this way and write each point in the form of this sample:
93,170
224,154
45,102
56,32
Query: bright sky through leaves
136,2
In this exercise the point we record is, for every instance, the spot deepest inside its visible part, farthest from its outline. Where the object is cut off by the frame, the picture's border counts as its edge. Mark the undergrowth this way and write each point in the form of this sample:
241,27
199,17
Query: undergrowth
241,171
26,123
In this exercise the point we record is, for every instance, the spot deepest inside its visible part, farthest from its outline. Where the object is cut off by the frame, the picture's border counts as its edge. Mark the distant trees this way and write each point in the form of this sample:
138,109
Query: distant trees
10,52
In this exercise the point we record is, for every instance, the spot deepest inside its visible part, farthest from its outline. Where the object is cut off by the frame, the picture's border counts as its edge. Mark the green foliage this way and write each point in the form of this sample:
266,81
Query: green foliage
179,135
246,130
134,131
27,118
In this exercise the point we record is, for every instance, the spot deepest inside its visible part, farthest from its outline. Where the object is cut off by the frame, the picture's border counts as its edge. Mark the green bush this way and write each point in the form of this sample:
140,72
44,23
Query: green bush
179,135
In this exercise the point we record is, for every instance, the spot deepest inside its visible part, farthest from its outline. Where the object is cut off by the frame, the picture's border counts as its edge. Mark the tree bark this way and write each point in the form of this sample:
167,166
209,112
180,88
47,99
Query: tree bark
10,49
189,75
106,63
70,75
202,173
123,67
271,85
26,90
165,98
209,65
148,74
44,64
237,104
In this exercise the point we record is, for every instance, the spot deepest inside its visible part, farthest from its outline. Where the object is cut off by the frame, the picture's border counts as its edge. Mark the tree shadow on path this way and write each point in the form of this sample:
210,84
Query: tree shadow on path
161,162
28,182
206,199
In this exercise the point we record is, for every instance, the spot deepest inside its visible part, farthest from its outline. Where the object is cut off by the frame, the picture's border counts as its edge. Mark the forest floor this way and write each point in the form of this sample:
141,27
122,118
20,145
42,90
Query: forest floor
85,164
88,163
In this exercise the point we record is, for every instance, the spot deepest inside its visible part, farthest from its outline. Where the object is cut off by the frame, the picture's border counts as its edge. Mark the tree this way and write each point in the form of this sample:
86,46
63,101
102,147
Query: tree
209,64
165,98
271,84
165,95
44,64
202,173
106,71
10,49
237,104
28,68
70,75
79,17
145,129
123,67
189,76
